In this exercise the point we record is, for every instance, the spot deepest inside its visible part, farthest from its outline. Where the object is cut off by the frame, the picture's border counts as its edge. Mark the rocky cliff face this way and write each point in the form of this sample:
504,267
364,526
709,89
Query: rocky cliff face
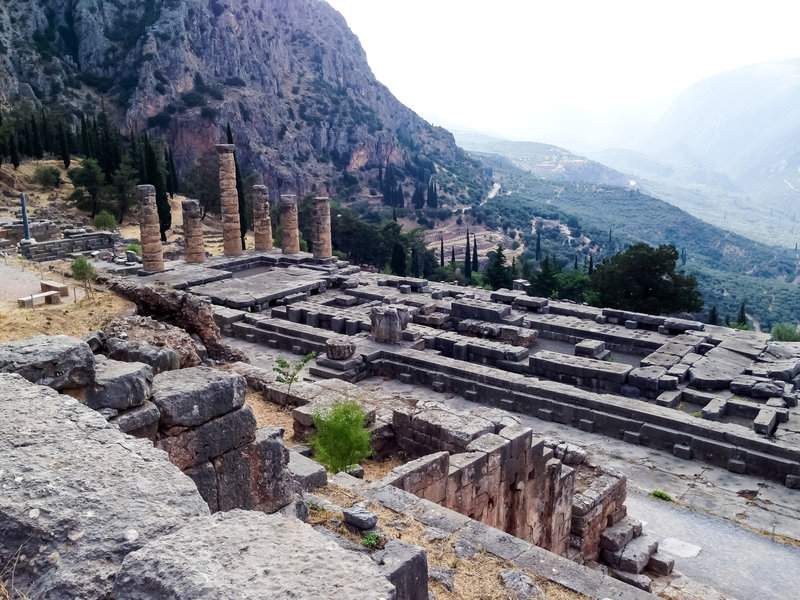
289,76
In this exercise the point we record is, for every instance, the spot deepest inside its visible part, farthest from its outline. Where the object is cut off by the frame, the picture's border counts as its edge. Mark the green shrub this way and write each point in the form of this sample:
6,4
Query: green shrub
371,540
82,270
785,332
288,373
661,495
341,440
105,220
47,176
135,247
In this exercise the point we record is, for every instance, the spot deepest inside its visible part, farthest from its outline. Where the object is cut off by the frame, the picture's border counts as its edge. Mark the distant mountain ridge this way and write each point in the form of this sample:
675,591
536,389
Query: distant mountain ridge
543,160
289,76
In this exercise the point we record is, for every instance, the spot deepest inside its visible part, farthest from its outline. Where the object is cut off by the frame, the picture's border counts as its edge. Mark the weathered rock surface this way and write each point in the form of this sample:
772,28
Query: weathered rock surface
136,328
141,421
520,585
77,494
119,384
406,566
160,359
190,397
388,323
59,361
251,556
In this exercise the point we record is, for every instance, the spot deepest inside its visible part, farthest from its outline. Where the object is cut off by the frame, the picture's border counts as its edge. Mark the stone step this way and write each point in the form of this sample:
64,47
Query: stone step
660,564
616,537
633,558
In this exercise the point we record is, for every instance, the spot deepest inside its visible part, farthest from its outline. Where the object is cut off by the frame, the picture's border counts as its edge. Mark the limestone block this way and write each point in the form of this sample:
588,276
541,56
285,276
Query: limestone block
141,421
646,378
637,553
256,476
114,494
275,557
119,385
213,438
406,567
308,474
360,518
340,348
60,362
160,359
190,397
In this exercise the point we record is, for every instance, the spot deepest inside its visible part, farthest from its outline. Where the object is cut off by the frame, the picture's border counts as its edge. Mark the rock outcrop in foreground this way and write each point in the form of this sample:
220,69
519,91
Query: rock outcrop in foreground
89,512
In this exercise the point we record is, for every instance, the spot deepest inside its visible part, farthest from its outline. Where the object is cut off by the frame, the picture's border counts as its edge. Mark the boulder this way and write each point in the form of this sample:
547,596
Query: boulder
119,384
190,397
78,495
360,517
242,554
520,585
160,359
340,348
58,361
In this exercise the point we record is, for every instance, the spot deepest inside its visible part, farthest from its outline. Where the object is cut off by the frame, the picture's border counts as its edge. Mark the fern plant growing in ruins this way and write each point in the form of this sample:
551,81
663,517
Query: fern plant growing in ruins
341,440
288,373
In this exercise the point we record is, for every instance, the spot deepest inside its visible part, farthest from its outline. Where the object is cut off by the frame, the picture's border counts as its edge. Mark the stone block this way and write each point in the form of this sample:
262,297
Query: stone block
308,474
586,425
406,567
214,438
632,437
190,397
643,582
682,451
660,564
255,476
714,410
205,478
60,362
616,537
646,378
637,553
266,550
119,385
141,421
629,324
160,359
765,421
360,518
737,465
792,481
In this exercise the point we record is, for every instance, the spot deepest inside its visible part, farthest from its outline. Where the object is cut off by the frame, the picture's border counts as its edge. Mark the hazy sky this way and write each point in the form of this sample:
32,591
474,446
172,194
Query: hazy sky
580,73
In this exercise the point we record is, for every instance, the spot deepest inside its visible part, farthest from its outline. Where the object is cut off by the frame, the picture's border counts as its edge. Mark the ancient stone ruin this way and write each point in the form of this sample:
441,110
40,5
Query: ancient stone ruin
290,241
193,232
231,232
150,232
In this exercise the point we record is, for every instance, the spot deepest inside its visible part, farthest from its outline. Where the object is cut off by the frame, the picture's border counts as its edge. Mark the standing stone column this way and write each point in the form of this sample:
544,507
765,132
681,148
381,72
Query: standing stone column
262,224
193,232
149,230
290,234
231,233
321,228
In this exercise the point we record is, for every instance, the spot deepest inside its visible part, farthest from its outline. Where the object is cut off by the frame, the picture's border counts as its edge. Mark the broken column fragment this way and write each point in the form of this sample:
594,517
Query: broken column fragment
229,199
290,234
149,230
388,323
193,232
322,228
262,223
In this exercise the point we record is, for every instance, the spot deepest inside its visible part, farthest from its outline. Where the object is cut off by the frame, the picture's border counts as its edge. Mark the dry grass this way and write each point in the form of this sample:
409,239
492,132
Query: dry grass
378,469
79,319
476,578
267,413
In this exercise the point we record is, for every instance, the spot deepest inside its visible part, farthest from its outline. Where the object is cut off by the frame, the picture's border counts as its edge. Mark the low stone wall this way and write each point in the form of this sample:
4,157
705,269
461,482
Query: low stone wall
41,231
56,249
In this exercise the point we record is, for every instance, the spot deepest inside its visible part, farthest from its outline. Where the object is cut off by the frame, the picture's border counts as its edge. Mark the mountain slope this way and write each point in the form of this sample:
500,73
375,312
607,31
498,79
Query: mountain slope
743,124
543,160
289,76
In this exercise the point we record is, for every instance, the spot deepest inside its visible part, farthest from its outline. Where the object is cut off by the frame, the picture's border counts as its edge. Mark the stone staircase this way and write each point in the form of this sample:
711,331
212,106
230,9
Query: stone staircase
630,553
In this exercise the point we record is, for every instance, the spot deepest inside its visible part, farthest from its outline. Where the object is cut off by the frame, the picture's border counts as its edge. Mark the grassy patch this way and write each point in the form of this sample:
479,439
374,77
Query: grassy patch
661,495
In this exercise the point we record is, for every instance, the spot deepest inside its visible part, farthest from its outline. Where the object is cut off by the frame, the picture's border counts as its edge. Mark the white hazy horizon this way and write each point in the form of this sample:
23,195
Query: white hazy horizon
577,73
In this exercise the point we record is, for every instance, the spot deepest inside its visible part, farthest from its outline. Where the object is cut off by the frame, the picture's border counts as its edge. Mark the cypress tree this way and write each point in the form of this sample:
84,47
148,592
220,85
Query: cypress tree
170,182
475,263
2,147
37,149
467,260
63,144
741,318
591,264
85,147
156,179
713,316
575,267
175,183
441,251
398,261
538,246
14,151
453,254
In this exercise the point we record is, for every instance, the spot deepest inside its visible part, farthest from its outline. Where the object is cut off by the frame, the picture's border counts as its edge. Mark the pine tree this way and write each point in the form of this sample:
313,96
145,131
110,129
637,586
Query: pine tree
467,260
475,264
63,144
156,179
441,250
